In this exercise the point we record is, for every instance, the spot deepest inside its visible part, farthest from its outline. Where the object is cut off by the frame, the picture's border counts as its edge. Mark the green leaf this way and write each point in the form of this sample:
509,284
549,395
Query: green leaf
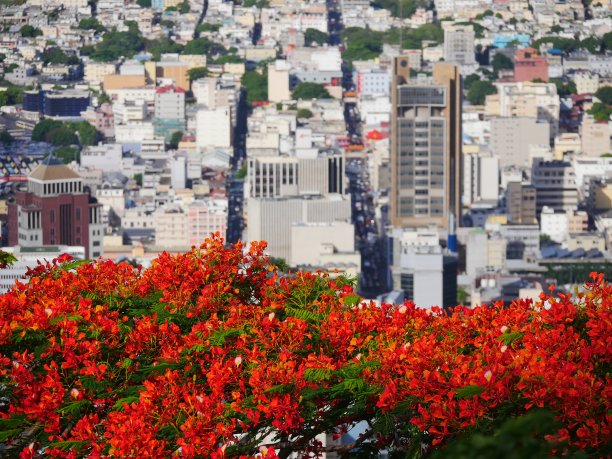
352,300
68,445
74,407
219,337
74,264
468,391
303,314
280,389
317,374
124,401
7,434
15,421
509,338
127,363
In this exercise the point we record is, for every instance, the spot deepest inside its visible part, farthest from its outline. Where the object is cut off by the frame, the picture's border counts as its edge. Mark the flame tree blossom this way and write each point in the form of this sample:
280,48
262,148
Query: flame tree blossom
213,353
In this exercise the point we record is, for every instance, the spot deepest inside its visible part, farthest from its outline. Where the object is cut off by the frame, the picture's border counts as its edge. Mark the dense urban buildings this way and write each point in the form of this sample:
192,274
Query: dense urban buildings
457,151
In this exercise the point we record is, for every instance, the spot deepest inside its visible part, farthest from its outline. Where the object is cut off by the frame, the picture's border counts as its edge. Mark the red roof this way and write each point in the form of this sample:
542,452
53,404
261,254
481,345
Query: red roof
169,88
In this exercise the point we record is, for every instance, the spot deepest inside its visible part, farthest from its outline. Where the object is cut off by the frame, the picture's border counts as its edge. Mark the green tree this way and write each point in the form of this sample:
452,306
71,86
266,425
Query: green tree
516,438
501,62
162,46
184,7
104,98
196,73
256,3
11,96
91,24
255,85
67,154
208,27
361,44
203,45
600,111
229,59
242,172
116,44
87,133
30,32
606,41
479,90
6,138
175,139
564,89
167,23
469,80
604,94
304,113
308,91
64,134
406,9
567,45
58,56
591,44
315,36
138,179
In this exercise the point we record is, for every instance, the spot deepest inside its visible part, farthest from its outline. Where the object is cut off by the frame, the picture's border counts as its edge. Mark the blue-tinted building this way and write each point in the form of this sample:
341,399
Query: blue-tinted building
66,104
504,40
62,104
33,101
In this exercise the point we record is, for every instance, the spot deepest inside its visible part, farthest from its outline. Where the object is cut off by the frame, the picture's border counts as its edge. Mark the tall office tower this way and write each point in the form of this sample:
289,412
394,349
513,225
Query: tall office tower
425,146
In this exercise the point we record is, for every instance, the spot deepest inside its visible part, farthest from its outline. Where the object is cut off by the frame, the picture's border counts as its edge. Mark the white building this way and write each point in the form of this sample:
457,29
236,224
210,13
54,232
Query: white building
480,178
29,257
214,127
271,219
106,157
422,270
459,45
558,225
330,247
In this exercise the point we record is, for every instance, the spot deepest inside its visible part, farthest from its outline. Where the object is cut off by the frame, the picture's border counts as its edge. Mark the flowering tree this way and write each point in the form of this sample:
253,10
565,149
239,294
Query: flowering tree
212,354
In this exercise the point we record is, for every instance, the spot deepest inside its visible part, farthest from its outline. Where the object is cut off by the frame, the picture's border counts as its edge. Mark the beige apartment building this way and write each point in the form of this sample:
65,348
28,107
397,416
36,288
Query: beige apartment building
426,146
595,136
278,81
526,99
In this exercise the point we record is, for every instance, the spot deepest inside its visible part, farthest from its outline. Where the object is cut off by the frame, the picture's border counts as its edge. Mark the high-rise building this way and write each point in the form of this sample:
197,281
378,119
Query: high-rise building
425,146
459,45
169,110
555,184
55,210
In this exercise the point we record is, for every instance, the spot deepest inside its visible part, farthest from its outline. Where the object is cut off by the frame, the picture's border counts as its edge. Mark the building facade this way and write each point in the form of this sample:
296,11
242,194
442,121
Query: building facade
55,210
426,146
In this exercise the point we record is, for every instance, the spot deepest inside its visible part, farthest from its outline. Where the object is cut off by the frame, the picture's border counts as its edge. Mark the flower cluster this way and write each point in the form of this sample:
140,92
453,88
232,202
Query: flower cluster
213,353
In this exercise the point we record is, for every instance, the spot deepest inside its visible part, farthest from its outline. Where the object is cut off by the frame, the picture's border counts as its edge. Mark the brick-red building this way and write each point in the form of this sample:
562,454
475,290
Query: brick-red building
529,65
55,210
